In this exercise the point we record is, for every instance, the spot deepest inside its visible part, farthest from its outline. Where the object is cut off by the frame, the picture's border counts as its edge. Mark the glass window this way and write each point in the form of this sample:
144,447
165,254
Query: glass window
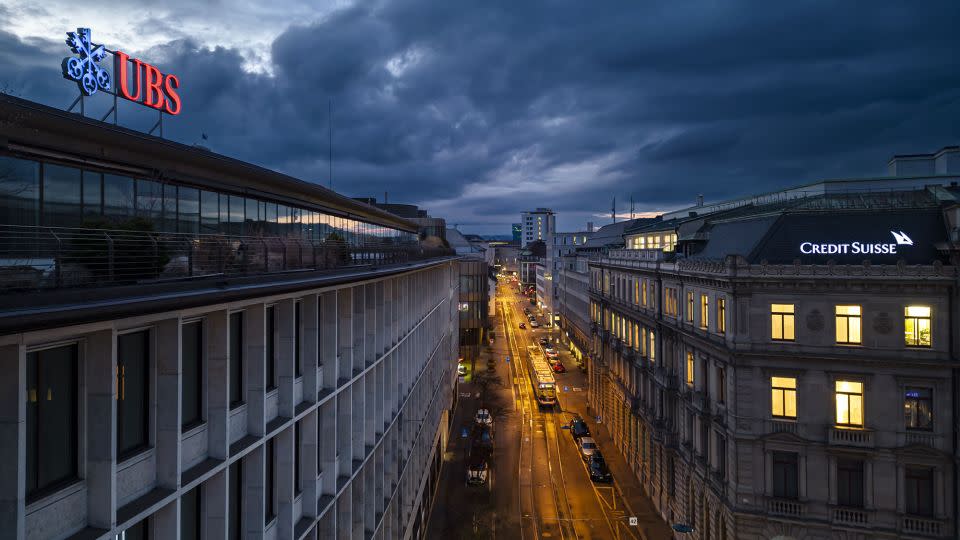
190,515
169,208
704,311
782,322
188,210
849,396
690,306
297,337
150,201
251,218
61,196
271,348
916,323
297,461
52,419
918,408
270,475
273,228
785,474
235,500
691,367
19,192
721,385
209,212
117,197
919,491
236,359
236,215
721,315
848,324
653,346
92,193
133,392
191,362
140,531
850,482
784,394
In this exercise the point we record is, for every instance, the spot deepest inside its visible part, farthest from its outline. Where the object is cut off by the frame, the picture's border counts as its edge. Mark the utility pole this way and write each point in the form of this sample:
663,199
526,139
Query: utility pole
631,206
613,209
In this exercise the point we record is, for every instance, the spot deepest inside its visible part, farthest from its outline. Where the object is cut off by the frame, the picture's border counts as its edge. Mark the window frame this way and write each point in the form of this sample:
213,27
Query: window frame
721,315
201,368
779,460
690,307
911,476
784,392
704,311
917,400
270,342
133,451
691,378
847,318
847,396
236,364
917,334
781,316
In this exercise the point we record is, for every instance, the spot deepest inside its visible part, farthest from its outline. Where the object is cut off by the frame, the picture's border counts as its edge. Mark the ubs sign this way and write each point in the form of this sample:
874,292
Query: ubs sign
150,87
858,248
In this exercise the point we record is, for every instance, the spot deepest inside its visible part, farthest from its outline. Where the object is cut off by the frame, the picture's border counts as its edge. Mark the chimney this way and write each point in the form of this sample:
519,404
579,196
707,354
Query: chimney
589,226
700,199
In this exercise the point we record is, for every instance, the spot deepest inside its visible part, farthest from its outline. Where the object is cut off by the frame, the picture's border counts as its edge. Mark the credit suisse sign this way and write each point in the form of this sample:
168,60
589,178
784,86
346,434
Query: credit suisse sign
855,248
149,86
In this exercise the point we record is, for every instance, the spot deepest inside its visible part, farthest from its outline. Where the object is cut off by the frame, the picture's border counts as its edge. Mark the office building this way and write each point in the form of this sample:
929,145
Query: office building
783,366
195,347
537,225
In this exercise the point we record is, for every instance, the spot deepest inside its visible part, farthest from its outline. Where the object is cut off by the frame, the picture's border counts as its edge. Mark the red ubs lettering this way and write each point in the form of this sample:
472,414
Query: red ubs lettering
150,86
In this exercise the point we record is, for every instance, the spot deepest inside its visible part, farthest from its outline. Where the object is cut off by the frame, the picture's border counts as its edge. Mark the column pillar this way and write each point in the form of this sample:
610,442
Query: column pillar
166,521
217,385
254,493
286,371
214,495
309,453
344,335
169,369
310,347
255,342
284,442
328,339
101,361
13,446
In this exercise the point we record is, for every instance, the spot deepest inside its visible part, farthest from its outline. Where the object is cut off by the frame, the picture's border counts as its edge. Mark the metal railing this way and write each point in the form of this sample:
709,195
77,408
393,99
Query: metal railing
56,257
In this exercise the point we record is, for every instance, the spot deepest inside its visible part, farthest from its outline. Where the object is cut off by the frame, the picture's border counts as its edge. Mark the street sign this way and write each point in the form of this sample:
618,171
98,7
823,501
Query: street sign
464,433
566,388
634,522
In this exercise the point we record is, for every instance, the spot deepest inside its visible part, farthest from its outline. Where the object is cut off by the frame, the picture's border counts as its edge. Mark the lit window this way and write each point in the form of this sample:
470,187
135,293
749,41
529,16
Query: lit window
704,311
690,306
721,315
918,408
643,298
916,325
690,369
653,347
848,324
782,322
784,394
636,292
849,403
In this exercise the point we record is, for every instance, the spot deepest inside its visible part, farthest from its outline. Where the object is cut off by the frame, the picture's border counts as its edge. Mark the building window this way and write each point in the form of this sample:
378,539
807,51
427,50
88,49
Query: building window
653,346
784,390
919,491
297,337
916,324
848,325
270,474
782,322
785,474
918,408
297,461
191,360
643,294
721,315
850,482
52,419
190,515
721,455
721,385
271,340
704,311
133,392
691,366
849,395
140,531
236,359
670,302
235,511
690,306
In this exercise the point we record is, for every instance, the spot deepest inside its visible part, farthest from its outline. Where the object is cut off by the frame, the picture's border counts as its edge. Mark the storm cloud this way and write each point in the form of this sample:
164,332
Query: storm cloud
479,111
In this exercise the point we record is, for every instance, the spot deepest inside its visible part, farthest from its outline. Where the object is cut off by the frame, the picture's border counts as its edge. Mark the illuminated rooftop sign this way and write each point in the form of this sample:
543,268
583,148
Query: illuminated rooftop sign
856,248
149,86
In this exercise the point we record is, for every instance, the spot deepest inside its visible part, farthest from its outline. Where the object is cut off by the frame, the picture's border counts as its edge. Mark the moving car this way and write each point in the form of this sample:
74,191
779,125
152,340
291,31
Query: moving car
578,428
461,369
484,417
523,326
550,352
558,367
599,472
534,324
477,469
587,447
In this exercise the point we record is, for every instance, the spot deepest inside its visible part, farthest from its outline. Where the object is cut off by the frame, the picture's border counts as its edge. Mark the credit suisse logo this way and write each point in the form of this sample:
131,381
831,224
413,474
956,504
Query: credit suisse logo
149,86
857,248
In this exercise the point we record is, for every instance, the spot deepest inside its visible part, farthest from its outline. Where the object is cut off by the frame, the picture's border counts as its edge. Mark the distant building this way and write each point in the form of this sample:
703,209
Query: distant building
537,225
474,292
517,229
428,226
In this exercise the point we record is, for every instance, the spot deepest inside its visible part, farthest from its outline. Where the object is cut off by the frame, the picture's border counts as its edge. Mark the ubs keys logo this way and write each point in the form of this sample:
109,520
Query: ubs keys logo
85,67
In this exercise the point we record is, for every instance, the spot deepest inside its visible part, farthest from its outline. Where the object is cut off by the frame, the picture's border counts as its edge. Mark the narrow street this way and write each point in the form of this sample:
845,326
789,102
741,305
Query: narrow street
538,486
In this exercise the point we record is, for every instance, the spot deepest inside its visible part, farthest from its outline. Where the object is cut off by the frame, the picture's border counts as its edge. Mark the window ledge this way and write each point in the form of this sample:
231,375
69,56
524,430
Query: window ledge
68,490
193,430
134,458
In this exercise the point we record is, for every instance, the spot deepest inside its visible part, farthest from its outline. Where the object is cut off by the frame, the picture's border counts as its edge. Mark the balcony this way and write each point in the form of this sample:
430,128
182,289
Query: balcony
786,507
923,438
855,517
840,436
782,426
922,526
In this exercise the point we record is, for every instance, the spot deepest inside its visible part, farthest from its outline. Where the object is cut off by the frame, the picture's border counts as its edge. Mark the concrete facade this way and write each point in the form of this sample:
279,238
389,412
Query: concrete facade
538,224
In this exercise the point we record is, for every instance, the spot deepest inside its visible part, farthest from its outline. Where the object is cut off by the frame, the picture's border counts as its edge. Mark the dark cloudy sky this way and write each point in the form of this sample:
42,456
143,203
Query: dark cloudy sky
479,110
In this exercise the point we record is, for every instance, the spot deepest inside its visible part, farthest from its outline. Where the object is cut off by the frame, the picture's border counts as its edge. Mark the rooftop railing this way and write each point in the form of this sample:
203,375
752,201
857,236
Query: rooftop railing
53,257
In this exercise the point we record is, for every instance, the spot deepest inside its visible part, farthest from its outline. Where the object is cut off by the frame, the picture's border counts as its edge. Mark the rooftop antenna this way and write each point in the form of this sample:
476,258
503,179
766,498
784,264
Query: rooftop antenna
631,206
613,209
330,139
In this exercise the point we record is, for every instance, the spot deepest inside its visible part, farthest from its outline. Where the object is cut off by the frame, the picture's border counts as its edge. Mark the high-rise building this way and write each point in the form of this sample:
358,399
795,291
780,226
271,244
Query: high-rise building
783,363
195,347
537,225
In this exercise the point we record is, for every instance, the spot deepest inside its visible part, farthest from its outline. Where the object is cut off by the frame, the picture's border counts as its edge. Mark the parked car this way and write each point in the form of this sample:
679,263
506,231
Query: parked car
599,472
534,324
477,469
550,352
587,447
523,326
579,428
558,367
544,341
481,439
484,417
